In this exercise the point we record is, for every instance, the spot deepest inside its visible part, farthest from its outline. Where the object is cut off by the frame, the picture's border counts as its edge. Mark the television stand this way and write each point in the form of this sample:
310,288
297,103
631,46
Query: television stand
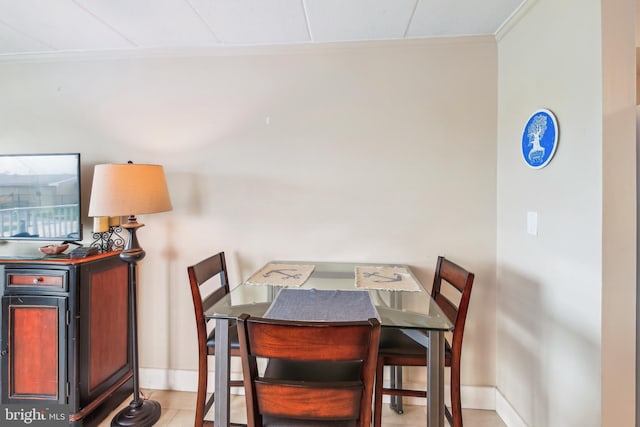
65,335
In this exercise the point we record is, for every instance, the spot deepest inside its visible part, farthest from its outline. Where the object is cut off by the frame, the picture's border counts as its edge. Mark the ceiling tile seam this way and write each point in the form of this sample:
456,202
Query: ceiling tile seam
105,23
205,22
307,21
410,20
514,18
22,33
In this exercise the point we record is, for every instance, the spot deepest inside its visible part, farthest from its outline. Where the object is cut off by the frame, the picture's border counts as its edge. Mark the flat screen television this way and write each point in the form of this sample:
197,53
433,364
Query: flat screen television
40,197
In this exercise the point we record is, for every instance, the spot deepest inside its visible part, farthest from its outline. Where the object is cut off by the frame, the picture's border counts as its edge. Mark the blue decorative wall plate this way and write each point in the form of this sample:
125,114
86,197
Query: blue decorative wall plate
539,139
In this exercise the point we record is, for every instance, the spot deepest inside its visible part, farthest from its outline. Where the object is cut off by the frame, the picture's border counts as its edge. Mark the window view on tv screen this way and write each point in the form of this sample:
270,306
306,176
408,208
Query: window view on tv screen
40,197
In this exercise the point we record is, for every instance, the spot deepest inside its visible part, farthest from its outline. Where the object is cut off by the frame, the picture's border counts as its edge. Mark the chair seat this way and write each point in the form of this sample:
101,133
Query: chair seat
234,342
395,343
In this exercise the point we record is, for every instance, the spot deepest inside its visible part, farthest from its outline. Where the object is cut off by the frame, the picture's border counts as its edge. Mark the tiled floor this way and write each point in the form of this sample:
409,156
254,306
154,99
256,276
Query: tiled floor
177,411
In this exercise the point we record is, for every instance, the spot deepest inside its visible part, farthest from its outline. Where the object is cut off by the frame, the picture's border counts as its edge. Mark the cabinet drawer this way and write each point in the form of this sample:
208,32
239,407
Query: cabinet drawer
36,279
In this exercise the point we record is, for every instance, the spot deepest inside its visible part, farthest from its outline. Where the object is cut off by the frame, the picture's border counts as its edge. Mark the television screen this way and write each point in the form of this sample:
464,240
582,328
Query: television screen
40,197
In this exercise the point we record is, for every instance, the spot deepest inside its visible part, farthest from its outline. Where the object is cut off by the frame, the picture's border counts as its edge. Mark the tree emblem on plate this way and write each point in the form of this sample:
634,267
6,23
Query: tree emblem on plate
539,139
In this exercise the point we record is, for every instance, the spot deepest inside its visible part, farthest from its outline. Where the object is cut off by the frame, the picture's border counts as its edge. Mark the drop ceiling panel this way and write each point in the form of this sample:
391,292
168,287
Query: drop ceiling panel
60,24
338,20
255,21
468,17
13,41
153,23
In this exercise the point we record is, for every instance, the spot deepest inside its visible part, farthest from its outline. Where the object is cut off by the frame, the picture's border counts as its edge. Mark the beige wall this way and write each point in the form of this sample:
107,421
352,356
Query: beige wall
566,298
619,213
363,152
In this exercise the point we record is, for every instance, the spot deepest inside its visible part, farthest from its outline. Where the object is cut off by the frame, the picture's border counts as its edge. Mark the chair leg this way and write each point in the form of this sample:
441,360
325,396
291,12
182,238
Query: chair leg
377,394
201,396
456,401
396,382
199,415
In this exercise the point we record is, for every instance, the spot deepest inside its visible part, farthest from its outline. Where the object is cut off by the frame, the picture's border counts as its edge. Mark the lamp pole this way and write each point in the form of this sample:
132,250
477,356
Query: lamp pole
140,412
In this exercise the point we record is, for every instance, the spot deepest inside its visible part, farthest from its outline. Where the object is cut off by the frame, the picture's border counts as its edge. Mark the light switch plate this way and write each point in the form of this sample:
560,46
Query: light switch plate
532,223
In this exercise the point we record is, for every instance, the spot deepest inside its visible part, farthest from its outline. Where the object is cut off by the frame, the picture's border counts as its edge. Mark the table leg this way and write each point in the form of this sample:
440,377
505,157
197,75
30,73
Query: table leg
435,379
222,404
396,382
395,379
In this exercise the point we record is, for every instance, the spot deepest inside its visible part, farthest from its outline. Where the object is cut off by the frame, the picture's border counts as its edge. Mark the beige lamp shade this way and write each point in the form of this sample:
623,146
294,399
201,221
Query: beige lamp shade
128,189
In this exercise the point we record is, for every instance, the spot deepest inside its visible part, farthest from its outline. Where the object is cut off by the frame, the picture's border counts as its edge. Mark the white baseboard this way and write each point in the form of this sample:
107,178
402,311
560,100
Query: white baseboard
507,413
176,379
473,397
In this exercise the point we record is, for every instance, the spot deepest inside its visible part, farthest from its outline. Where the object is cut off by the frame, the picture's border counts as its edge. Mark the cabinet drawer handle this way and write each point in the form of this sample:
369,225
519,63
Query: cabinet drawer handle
37,280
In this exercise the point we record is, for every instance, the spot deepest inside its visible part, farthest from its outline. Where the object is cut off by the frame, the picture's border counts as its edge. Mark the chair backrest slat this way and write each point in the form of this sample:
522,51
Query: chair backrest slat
213,297
339,401
311,341
454,274
449,308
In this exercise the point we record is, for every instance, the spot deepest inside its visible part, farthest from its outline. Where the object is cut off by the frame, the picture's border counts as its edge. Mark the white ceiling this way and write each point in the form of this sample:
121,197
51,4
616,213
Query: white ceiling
51,26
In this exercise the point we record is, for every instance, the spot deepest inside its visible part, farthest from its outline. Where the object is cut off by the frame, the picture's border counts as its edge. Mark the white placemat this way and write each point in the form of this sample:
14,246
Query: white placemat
291,275
386,278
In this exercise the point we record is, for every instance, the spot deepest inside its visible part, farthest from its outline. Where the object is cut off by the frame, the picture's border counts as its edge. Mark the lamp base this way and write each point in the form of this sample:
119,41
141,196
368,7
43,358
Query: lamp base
143,414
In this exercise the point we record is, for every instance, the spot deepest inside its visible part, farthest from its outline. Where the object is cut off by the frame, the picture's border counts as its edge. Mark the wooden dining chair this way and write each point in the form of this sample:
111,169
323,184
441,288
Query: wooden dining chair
397,349
205,292
316,374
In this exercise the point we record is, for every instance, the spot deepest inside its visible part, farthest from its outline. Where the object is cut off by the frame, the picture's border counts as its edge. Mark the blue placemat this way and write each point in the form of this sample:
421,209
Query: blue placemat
322,305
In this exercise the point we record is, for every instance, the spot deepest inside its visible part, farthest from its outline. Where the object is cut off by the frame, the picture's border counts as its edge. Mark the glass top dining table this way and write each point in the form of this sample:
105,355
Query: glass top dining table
409,308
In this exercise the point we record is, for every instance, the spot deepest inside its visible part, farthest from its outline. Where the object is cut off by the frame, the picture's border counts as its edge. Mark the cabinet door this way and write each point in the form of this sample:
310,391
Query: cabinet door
104,328
33,349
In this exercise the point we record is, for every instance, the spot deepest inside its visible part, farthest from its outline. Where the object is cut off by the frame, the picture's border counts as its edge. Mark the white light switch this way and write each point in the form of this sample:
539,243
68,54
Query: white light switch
532,223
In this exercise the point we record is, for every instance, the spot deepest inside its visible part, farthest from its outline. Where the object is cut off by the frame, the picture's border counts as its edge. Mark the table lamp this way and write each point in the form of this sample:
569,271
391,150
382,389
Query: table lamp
129,190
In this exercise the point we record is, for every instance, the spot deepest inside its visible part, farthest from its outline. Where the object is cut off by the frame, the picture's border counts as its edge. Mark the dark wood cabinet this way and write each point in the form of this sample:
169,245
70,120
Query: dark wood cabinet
65,334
